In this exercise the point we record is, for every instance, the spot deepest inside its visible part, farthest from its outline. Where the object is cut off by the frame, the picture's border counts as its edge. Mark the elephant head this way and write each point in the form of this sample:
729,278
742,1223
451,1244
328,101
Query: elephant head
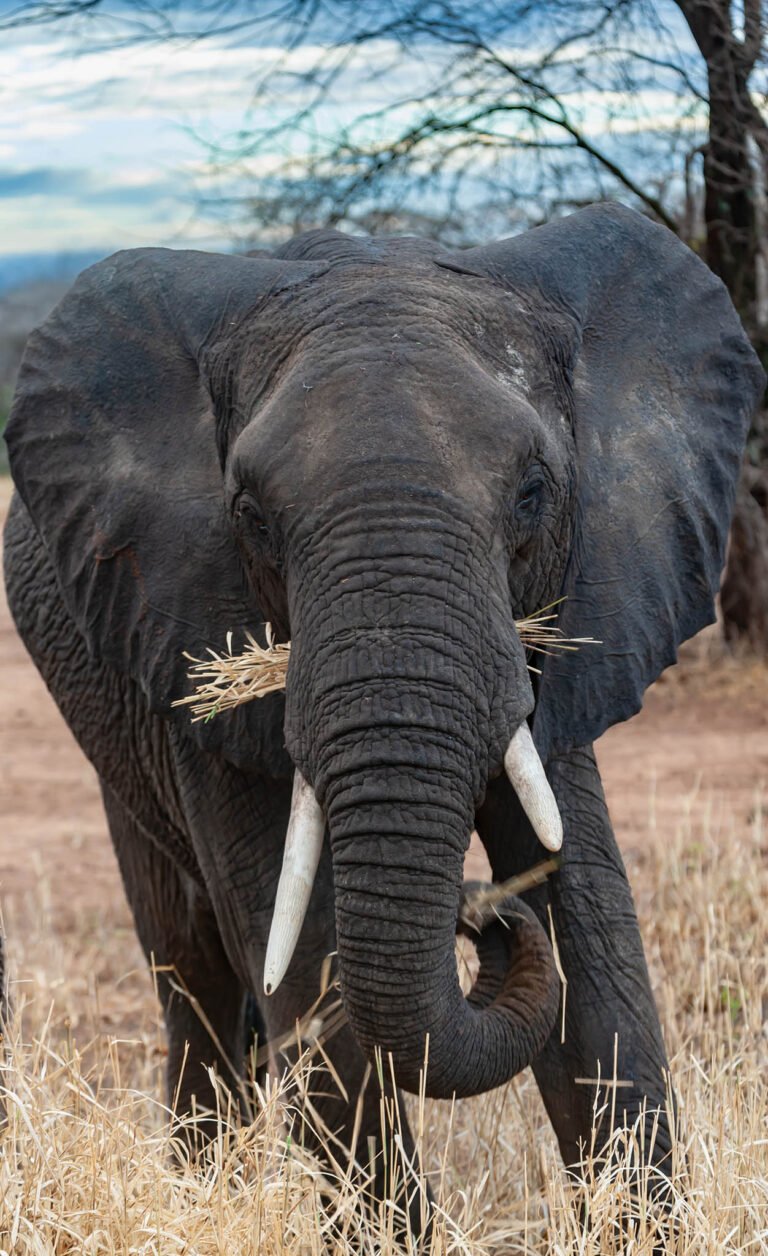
393,452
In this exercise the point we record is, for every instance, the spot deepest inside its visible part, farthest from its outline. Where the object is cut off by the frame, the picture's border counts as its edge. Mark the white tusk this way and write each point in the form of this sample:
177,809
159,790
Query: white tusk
529,781
303,844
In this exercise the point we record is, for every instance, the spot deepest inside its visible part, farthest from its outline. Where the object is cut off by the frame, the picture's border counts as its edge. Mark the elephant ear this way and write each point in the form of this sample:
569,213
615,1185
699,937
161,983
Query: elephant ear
664,383
113,447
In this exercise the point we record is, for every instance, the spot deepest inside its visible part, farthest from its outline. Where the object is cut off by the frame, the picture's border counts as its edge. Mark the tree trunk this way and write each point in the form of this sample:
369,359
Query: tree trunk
744,597
730,210
735,158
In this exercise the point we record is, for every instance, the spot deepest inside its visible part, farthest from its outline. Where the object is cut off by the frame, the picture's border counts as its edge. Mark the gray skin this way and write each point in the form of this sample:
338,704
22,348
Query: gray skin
391,452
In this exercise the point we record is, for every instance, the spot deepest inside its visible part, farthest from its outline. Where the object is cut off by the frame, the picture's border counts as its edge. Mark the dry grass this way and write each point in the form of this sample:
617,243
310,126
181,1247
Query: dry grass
228,679
85,1163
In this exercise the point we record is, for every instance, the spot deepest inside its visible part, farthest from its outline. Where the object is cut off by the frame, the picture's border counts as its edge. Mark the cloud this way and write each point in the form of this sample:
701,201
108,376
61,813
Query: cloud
129,188
44,181
138,192
50,208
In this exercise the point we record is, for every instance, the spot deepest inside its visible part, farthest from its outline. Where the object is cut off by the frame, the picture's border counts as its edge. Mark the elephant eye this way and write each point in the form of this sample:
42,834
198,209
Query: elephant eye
529,497
248,514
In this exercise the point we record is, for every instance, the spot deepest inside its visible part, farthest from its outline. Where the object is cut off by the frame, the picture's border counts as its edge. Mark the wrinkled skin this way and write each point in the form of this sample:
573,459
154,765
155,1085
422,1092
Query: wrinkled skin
391,452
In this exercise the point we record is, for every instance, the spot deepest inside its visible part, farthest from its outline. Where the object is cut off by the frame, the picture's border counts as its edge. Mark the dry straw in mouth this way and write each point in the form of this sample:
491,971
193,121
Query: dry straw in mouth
224,681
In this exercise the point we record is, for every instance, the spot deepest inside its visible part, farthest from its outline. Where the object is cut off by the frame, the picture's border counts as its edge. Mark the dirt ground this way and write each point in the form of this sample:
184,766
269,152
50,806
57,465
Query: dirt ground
701,742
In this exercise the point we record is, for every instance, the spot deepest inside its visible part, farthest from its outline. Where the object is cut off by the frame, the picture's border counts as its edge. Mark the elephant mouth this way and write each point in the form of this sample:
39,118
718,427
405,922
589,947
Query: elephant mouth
306,829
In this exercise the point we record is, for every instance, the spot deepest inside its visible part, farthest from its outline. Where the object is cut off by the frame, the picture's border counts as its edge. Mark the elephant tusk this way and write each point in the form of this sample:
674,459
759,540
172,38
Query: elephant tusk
528,779
303,844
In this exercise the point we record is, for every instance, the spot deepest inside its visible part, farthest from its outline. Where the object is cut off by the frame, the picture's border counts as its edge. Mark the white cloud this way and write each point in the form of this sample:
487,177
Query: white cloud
83,225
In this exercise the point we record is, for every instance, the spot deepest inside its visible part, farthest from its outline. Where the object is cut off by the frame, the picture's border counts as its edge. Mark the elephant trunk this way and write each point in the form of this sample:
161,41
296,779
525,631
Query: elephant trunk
407,681
397,859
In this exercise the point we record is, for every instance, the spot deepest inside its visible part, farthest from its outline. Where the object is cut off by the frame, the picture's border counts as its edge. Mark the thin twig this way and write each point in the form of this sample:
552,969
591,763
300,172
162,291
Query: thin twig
479,907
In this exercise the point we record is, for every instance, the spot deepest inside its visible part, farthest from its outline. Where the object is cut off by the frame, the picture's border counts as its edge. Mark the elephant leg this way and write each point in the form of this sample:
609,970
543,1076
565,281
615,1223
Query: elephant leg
611,1027
203,1000
238,822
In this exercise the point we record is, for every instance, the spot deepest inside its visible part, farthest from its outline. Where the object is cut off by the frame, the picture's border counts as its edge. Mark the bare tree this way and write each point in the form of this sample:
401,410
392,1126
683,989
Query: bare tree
477,103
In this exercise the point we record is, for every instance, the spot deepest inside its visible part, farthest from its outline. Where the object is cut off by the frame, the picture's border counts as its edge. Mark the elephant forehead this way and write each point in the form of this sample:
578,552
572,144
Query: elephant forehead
383,365
430,413
389,314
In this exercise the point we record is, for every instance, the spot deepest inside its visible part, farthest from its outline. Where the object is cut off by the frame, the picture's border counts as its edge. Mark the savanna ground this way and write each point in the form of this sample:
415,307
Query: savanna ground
84,1162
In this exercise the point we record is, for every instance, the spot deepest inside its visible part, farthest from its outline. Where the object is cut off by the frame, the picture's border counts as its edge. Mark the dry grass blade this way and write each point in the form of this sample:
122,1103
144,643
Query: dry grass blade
541,635
227,680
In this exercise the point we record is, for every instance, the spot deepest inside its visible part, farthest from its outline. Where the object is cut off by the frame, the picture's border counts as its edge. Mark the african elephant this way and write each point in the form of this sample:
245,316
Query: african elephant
391,452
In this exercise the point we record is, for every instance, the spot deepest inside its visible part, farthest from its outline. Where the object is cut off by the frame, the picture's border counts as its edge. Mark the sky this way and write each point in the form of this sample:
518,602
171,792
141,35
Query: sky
99,149
104,148
107,148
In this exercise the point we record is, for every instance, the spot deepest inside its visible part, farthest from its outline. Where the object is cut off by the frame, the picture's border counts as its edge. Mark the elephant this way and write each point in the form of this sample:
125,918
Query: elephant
391,452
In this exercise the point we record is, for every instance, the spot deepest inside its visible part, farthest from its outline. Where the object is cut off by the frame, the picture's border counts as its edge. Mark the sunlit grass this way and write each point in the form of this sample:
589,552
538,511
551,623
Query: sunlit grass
86,1160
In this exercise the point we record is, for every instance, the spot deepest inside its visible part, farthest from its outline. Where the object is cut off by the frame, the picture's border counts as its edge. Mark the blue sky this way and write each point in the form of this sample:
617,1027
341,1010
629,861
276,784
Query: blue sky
100,148
96,149
105,148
